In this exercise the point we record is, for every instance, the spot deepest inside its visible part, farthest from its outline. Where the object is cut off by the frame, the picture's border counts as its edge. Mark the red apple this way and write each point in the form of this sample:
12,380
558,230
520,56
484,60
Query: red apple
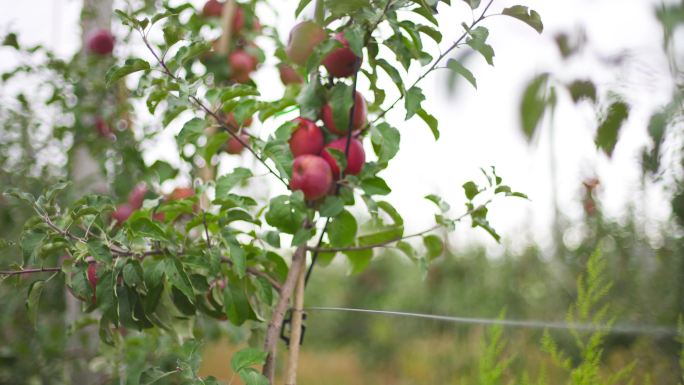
288,75
103,128
306,139
100,41
122,212
181,193
159,217
241,65
137,195
304,37
238,22
355,159
233,146
312,175
91,273
232,124
212,8
358,120
342,62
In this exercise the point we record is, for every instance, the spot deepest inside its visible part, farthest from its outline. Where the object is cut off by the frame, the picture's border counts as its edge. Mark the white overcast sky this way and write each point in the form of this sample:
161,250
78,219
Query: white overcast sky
480,127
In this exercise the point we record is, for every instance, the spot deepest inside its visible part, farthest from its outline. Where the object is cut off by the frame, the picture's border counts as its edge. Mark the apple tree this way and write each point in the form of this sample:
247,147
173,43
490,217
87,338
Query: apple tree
169,267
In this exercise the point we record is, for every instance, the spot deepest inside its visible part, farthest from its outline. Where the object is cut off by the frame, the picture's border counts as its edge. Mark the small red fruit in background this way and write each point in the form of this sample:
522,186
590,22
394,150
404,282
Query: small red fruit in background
355,159
233,146
303,39
137,195
342,62
241,65
103,128
288,75
306,139
181,193
92,278
122,212
358,120
312,175
100,42
232,124
212,8
238,22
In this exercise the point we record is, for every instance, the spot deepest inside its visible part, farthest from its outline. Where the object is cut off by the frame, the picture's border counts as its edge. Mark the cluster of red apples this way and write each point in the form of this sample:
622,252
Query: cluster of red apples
242,63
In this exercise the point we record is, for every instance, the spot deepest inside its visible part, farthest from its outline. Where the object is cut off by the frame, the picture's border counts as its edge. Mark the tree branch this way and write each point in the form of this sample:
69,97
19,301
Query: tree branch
30,271
276,322
433,66
208,111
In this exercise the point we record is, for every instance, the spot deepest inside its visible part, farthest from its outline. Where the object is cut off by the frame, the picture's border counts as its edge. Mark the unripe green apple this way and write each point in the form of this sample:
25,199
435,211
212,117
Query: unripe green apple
306,139
312,175
303,39
359,119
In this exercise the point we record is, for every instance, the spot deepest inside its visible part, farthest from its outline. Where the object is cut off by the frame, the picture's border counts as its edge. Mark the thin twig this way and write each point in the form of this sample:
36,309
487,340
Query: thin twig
207,110
433,66
30,271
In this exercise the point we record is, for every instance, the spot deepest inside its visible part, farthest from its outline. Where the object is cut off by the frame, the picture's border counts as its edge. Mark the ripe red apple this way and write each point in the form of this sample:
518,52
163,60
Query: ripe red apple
288,75
181,193
355,159
238,22
100,42
91,273
233,146
304,37
212,8
342,62
241,65
358,120
159,217
312,175
137,195
306,139
122,212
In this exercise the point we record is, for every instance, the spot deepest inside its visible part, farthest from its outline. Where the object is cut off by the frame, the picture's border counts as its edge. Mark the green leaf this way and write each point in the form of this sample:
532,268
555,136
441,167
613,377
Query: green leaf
478,42
178,278
381,234
247,357
528,16
99,251
582,89
458,68
225,183
385,140
130,66
359,259
251,377
533,104
407,249
342,229
301,236
375,186
341,101
471,190
301,6
286,213
431,121
34,292
413,100
441,204
391,211
10,40
237,255
331,207
434,246
272,238
607,133
237,306
473,3
393,74
191,130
